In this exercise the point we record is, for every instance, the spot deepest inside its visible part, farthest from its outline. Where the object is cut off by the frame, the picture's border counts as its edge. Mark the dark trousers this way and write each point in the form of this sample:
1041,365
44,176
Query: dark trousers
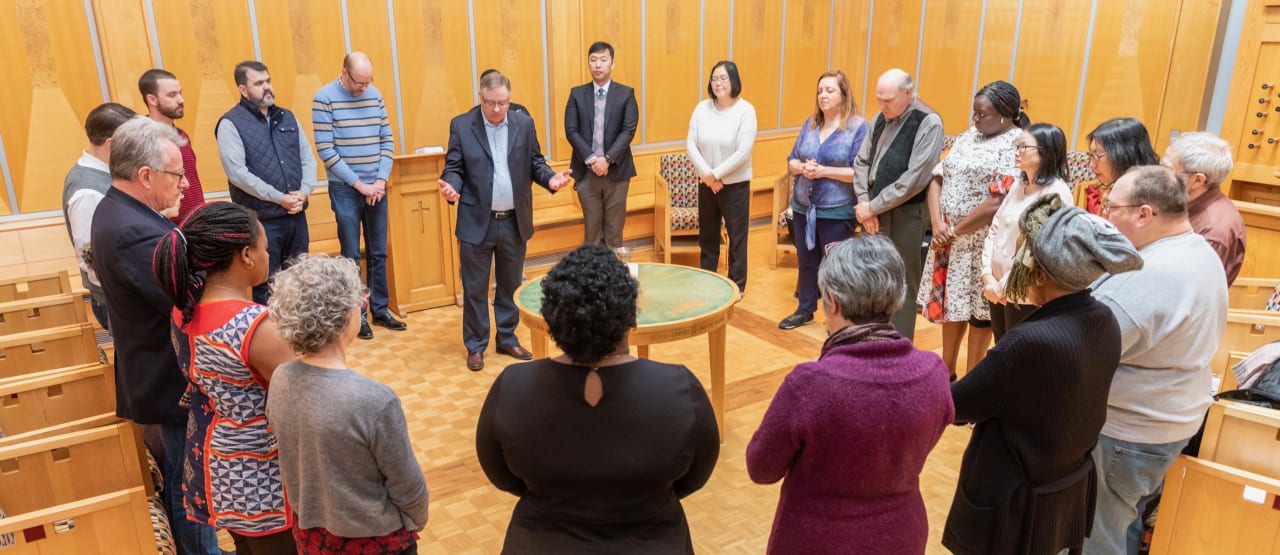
99,312
827,231
504,249
604,209
1005,316
287,238
733,203
353,215
279,543
904,226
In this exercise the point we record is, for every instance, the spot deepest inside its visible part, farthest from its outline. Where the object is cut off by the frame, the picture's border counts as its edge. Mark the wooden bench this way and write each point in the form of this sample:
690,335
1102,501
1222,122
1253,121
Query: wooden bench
1246,331
39,285
35,351
56,402
1243,436
111,523
1262,229
42,313
1208,507
1251,293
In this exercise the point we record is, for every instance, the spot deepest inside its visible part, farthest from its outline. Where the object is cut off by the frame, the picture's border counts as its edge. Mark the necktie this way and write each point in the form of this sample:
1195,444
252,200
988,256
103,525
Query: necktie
597,130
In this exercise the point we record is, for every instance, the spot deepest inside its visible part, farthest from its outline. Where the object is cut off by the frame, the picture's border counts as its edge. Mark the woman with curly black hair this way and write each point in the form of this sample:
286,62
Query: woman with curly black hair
600,446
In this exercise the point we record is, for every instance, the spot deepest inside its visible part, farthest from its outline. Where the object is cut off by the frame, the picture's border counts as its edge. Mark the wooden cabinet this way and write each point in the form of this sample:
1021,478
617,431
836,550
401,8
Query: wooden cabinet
1252,120
421,251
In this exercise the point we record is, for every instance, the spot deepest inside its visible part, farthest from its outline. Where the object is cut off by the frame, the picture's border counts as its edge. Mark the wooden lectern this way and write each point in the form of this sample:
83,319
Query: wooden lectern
421,251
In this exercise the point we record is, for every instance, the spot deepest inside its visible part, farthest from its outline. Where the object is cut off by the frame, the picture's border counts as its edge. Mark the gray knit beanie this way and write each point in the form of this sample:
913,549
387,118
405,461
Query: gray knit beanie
1075,248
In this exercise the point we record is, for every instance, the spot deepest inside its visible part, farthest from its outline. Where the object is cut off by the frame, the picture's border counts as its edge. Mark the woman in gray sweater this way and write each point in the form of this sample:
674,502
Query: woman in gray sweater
348,468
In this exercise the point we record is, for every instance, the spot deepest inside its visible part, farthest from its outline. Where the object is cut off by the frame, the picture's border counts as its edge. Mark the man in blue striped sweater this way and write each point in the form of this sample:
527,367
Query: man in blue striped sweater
353,138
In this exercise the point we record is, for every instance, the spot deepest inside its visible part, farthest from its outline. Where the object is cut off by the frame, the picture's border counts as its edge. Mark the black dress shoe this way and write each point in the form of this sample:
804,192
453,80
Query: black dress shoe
796,320
388,321
515,351
366,332
475,361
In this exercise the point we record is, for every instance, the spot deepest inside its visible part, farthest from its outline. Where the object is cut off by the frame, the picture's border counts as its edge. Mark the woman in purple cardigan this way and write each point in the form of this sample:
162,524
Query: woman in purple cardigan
850,432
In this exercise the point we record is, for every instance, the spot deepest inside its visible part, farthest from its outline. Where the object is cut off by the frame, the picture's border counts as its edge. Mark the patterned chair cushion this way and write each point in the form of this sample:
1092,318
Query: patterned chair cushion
159,520
682,181
1078,167
684,218
946,144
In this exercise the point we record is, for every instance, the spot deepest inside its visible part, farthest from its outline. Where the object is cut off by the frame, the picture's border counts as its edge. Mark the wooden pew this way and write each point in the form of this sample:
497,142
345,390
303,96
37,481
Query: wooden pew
1262,232
1246,331
1250,293
46,472
39,285
55,402
112,523
1243,436
35,351
1208,507
45,312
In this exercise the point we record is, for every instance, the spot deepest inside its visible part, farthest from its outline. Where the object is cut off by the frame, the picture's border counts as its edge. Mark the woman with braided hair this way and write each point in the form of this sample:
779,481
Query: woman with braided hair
228,347
1039,398
966,190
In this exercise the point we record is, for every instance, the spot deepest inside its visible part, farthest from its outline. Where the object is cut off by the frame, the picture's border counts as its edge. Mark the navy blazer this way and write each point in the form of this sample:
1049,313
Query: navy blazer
621,117
149,383
468,167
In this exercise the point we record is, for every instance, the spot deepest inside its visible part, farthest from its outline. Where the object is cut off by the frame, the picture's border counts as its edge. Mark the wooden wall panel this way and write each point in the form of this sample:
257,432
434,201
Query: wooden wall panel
895,36
1185,95
616,22
124,55
757,32
716,20
1128,64
567,56
503,44
849,52
201,43
998,33
946,74
370,25
435,69
52,86
1050,54
672,74
808,36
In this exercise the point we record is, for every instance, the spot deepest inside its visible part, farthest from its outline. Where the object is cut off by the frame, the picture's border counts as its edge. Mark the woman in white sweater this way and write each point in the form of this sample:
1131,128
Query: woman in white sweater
1042,156
721,134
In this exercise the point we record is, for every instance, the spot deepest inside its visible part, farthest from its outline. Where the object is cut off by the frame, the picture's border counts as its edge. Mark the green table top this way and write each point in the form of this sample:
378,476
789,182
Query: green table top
668,293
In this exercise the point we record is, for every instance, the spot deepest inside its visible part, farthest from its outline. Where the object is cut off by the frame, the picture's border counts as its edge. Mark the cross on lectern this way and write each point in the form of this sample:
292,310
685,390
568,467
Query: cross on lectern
422,213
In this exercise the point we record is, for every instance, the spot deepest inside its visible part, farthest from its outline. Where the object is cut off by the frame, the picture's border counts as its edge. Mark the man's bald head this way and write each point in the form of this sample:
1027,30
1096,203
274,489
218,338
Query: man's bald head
357,73
896,91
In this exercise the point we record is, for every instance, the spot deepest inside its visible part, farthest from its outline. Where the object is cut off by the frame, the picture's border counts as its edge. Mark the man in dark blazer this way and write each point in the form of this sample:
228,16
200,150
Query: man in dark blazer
600,121
490,166
147,179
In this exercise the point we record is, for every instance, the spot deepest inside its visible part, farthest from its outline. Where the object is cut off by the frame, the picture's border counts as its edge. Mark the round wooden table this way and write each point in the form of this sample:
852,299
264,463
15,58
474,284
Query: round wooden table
675,302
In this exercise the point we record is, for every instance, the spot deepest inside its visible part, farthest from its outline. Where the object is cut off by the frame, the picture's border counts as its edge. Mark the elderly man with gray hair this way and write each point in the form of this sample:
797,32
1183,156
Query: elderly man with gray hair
1171,314
1203,161
891,174
147,178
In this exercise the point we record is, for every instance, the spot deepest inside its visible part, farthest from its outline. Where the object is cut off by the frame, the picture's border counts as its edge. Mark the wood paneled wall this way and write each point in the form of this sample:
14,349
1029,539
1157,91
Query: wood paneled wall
1077,62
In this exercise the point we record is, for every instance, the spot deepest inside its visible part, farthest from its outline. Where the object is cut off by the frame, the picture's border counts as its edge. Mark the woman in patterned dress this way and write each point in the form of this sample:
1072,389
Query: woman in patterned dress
965,192
228,348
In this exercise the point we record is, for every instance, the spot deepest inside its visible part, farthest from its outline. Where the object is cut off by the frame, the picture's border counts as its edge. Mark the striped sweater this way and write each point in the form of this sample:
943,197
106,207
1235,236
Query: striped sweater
353,136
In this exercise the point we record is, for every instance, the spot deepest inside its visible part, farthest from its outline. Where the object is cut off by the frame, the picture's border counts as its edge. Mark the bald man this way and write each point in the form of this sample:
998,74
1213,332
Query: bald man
353,138
892,172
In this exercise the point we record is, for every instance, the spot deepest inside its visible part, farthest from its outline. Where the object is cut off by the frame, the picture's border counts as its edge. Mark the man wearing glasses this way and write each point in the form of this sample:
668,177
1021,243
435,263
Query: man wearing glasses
1202,161
269,166
1171,314
353,137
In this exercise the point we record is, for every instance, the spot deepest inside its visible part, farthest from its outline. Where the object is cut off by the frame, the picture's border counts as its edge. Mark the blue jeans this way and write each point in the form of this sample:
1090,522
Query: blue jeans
193,538
353,214
99,312
1128,473
287,237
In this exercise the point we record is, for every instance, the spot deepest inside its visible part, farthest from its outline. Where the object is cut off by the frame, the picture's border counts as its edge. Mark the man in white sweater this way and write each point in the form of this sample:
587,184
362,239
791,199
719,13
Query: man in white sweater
1171,314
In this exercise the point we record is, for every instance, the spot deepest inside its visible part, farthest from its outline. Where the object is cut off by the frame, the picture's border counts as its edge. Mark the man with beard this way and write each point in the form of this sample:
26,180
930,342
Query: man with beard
162,93
269,166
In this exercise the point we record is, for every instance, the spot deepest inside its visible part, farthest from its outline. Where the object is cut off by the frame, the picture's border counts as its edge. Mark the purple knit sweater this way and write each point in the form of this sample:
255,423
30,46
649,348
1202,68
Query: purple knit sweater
850,434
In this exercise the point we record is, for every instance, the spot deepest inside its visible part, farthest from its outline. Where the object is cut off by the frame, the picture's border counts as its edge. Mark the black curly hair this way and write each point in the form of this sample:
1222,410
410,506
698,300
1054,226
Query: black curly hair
206,243
589,302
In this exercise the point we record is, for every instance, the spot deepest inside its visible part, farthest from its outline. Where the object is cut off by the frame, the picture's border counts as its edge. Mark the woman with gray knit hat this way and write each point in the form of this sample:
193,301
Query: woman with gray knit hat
1039,398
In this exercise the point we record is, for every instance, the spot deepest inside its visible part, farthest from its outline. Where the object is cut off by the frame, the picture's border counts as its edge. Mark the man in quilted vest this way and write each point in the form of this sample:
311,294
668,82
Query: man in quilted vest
269,166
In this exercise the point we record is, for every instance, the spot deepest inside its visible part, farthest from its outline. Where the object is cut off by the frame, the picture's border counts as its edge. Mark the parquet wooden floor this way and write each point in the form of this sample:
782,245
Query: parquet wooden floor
442,399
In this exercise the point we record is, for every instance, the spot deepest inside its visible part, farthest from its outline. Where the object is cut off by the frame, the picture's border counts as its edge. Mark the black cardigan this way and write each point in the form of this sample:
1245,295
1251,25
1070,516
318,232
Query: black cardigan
1039,399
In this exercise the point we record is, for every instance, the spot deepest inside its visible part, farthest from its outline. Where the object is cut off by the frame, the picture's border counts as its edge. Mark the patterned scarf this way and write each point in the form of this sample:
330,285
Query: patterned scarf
855,333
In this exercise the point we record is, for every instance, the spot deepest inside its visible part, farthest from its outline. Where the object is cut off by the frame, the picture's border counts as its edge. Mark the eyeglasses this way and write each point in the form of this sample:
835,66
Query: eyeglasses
492,104
719,78
1107,207
357,83
1024,148
1097,155
180,175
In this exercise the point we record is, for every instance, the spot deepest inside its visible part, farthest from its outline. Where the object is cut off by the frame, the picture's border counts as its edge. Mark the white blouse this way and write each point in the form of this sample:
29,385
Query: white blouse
1003,237
720,141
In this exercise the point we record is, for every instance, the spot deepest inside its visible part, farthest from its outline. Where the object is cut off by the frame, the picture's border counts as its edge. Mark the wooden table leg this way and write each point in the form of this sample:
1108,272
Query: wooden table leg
716,344
540,343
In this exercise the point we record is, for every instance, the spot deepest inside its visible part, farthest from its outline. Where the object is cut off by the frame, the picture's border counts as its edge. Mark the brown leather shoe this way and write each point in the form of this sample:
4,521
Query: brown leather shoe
515,351
475,361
